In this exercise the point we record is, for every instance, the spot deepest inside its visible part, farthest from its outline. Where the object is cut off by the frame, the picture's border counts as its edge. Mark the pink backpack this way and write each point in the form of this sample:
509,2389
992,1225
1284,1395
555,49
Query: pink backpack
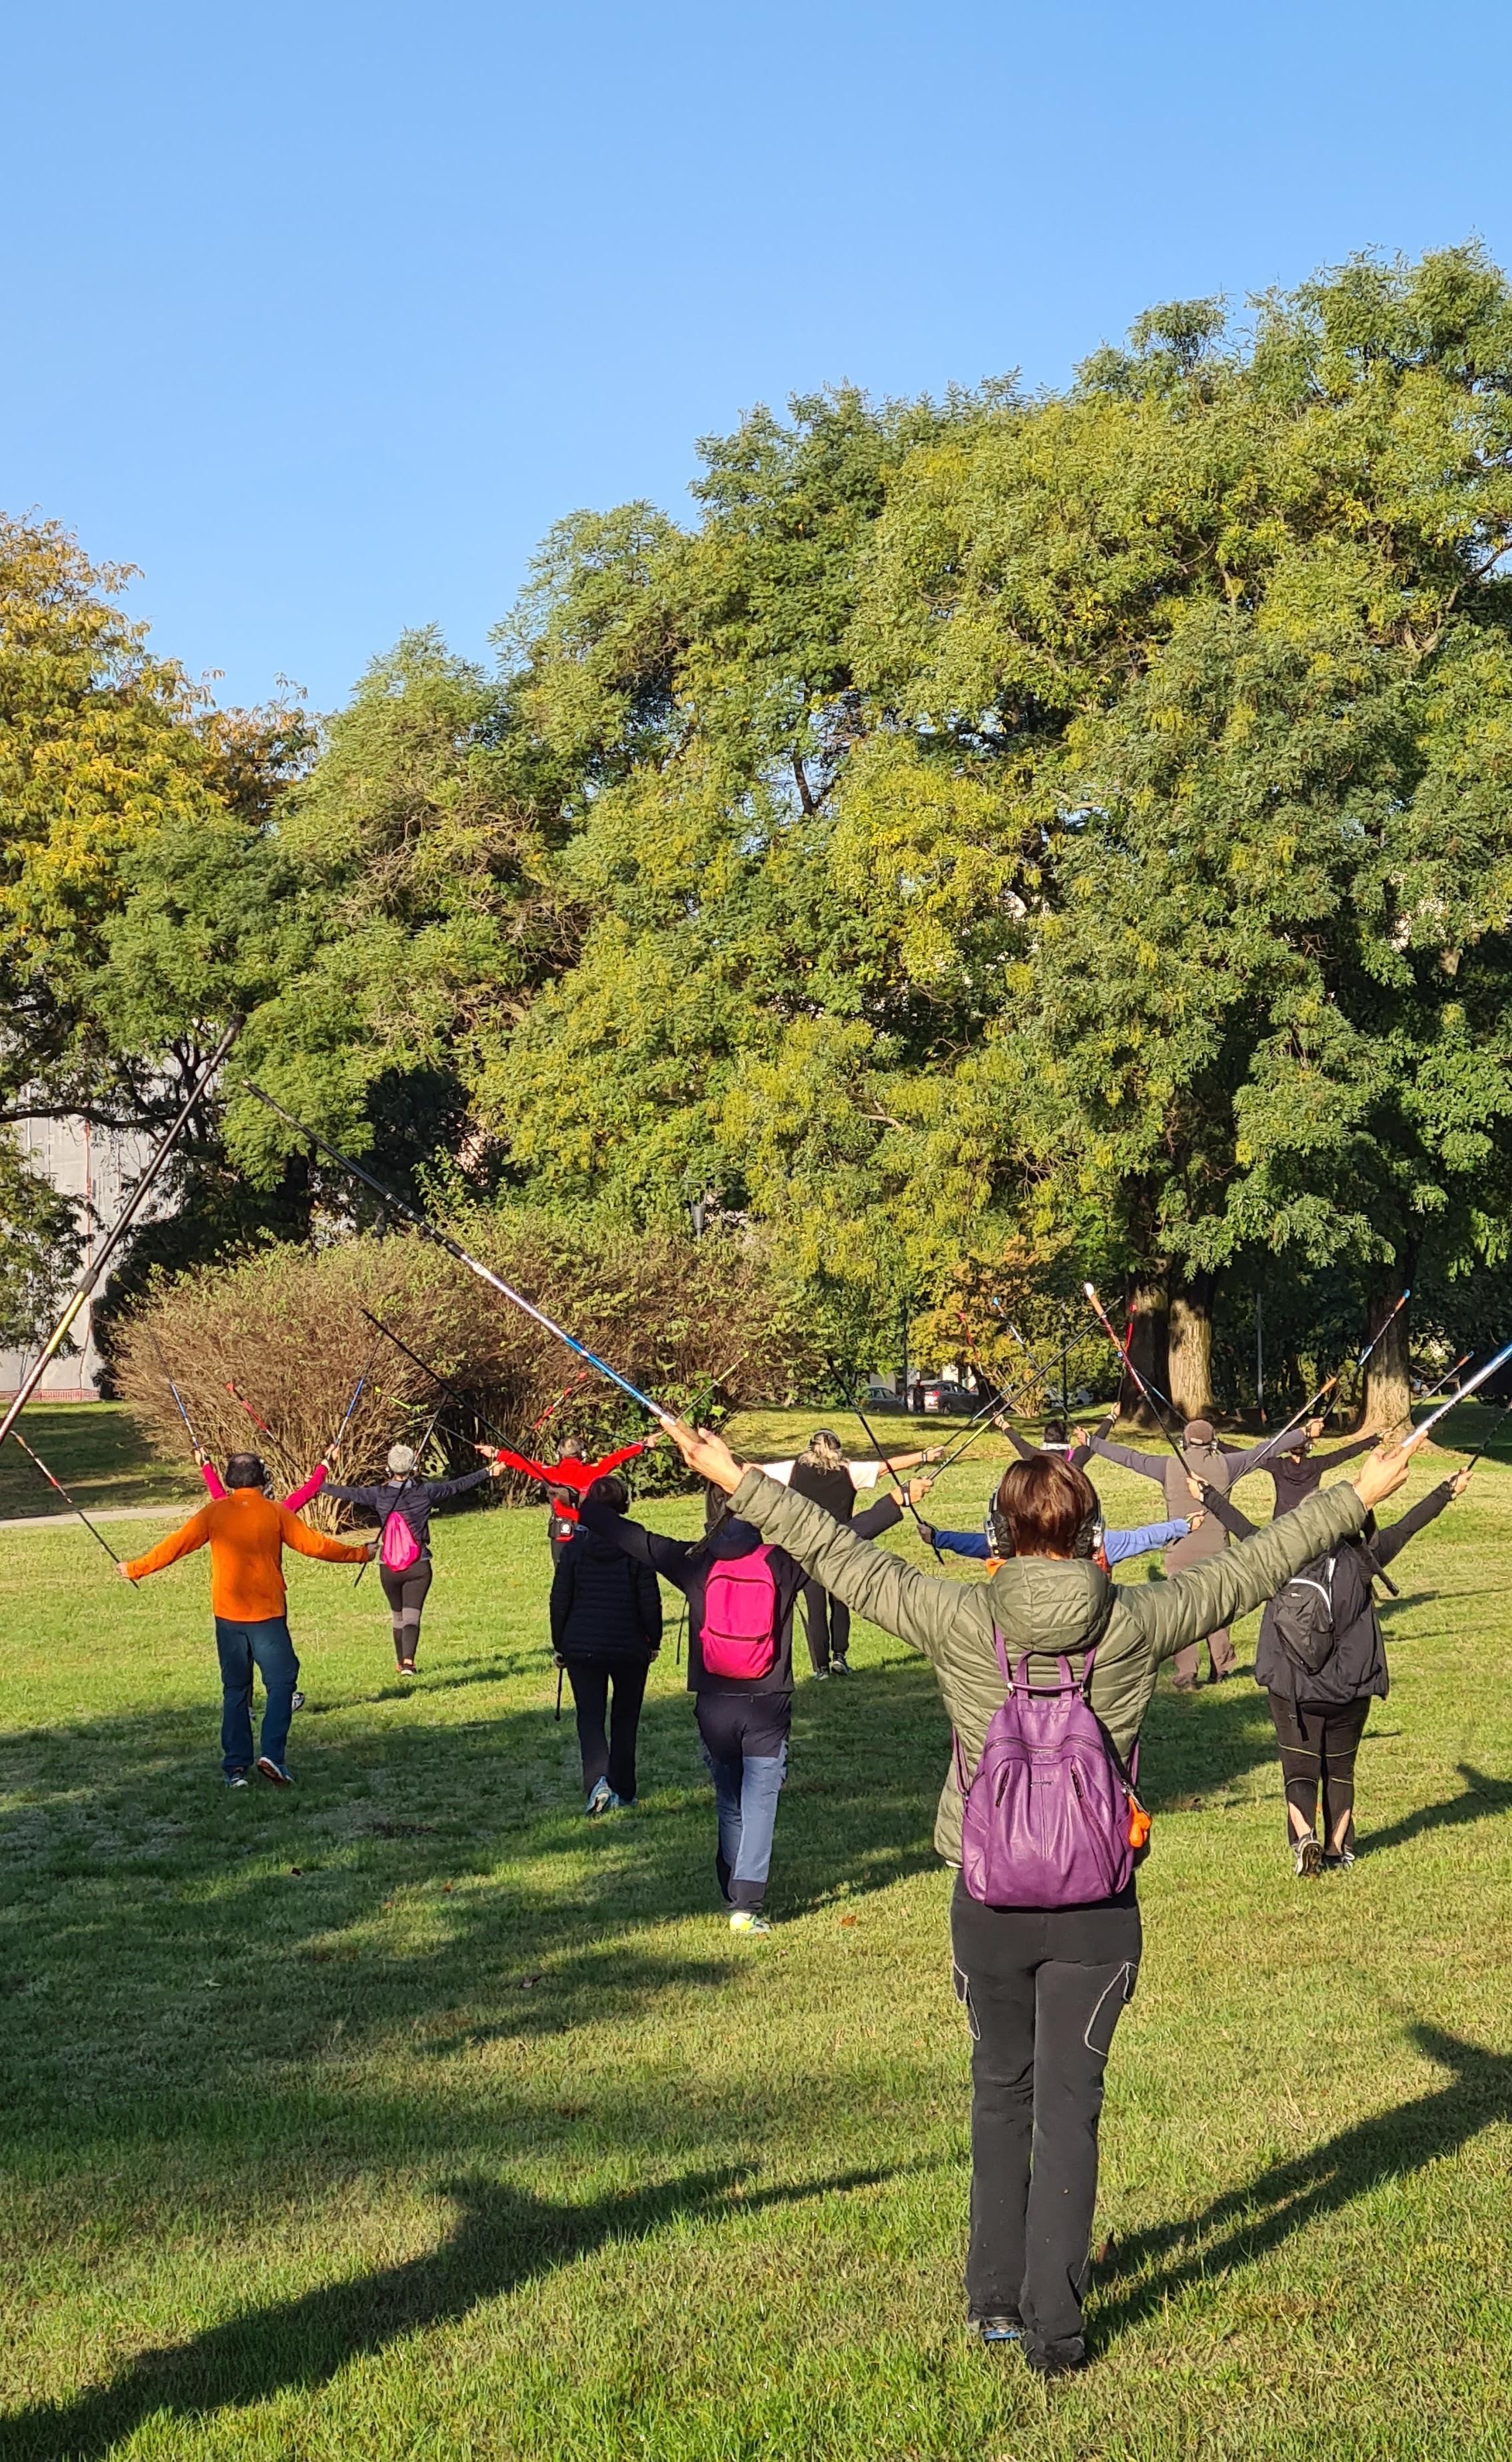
400,1548
740,1615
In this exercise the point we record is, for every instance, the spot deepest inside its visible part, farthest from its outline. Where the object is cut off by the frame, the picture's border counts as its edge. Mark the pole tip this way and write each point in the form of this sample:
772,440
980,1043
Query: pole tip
1090,1289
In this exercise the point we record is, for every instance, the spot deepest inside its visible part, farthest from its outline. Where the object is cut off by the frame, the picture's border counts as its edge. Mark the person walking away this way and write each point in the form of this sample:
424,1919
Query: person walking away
741,1594
567,1481
247,1534
1321,1661
1215,1466
1043,1986
606,1630
823,1474
402,1507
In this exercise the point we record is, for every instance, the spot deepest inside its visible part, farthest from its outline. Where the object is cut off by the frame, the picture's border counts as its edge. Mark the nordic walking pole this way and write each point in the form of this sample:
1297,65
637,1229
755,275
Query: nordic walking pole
1463,1361
1455,1399
1486,1440
260,1424
64,1494
454,1248
581,1378
1298,1418
177,1398
356,1396
426,1370
871,1438
115,1235
1104,1320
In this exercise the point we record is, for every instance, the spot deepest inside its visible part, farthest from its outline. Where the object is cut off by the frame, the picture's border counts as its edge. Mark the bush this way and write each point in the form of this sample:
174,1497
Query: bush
701,1327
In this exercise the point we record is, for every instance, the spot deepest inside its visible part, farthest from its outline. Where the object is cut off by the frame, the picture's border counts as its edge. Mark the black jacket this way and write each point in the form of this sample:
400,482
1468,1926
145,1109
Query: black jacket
414,1498
1355,1668
603,1605
686,1563
1295,1473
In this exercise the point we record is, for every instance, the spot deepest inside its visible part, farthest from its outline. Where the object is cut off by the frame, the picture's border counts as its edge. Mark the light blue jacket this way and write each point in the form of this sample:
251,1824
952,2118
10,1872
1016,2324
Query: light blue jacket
1116,1544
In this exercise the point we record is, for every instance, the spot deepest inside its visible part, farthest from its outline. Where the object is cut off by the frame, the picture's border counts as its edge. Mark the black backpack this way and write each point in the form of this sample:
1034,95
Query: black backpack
1303,1616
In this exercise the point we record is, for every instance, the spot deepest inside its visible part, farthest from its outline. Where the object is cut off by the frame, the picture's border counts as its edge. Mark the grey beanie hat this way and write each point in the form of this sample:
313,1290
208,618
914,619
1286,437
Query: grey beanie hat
401,1457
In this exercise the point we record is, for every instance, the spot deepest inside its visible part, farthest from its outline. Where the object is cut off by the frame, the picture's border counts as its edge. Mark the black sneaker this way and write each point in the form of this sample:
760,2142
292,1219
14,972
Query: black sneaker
840,1666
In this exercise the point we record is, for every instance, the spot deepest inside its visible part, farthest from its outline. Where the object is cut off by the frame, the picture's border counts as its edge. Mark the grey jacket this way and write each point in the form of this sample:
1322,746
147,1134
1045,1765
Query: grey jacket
1218,1467
1042,1605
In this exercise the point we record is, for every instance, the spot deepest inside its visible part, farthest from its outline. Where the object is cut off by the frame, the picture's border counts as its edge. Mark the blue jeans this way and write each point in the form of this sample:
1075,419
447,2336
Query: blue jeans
267,1648
747,1783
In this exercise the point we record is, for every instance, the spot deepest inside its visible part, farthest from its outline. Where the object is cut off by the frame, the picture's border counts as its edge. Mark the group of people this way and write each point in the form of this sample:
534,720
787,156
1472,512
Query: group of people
1042,1980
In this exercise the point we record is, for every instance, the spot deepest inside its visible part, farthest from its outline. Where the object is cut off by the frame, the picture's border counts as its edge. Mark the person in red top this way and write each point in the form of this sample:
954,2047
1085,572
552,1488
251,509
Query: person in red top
567,1481
247,1535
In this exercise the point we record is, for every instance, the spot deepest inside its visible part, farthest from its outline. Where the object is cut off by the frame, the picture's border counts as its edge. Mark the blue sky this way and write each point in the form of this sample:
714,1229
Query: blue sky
321,315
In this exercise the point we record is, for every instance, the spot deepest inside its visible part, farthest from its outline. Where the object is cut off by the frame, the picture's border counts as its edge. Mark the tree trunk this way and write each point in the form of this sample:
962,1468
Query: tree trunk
1388,1390
1147,1349
1190,1347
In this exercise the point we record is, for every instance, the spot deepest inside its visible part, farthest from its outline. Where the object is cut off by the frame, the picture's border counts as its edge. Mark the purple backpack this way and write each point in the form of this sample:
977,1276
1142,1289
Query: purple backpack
1046,1818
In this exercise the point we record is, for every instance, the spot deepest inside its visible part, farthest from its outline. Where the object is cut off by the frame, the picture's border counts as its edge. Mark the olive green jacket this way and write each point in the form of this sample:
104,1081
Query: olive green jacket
1042,1605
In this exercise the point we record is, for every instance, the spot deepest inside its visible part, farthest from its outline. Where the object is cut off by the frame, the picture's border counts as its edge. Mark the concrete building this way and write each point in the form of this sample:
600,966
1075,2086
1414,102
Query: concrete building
98,1167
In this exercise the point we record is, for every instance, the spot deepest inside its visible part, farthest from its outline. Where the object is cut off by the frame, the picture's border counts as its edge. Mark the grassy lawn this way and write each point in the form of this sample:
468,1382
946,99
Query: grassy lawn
411,2116
96,1452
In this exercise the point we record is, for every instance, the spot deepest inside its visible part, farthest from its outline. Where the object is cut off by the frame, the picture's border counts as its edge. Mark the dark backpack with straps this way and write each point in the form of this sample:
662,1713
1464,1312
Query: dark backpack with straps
1302,1620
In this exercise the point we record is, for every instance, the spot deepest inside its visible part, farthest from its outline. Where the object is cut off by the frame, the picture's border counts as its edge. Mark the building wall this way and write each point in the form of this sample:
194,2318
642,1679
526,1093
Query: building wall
99,1166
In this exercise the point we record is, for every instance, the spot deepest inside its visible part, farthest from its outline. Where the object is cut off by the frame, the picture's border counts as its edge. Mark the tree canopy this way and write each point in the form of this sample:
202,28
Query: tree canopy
1073,828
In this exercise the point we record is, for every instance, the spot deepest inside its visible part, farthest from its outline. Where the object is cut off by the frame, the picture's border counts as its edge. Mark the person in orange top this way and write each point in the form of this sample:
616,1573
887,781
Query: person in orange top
247,1535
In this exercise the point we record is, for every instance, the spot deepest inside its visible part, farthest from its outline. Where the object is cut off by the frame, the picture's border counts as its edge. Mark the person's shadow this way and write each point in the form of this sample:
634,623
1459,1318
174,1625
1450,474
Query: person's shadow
1155,2266
1483,1798
504,2237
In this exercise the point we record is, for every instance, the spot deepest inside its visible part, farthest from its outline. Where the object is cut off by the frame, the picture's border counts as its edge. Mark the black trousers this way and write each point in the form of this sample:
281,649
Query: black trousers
1318,1748
1043,1993
827,1621
406,1593
606,1738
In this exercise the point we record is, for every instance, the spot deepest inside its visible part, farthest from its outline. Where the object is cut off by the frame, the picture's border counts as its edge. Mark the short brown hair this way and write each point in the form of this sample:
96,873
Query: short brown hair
1043,1505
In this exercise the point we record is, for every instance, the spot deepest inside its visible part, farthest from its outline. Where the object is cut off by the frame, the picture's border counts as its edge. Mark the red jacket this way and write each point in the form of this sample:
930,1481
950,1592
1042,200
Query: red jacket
570,1477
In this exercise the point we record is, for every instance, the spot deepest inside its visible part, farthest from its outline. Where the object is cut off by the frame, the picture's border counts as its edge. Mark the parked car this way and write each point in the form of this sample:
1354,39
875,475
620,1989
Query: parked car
941,1394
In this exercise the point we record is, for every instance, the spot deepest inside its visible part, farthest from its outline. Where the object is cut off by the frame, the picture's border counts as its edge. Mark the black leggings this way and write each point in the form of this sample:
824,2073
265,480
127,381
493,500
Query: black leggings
610,1754
829,1625
1318,1745
406,1593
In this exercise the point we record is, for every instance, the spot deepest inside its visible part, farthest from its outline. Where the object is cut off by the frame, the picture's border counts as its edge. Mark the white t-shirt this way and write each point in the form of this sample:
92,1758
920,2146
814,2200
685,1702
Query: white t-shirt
862,1473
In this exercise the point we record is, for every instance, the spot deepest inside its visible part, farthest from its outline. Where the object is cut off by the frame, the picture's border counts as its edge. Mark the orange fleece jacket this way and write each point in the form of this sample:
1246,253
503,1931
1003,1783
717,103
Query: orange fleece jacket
247,1537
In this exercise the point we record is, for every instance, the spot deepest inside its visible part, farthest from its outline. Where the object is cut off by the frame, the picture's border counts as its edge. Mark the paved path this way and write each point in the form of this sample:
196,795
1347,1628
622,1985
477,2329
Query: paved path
99,1513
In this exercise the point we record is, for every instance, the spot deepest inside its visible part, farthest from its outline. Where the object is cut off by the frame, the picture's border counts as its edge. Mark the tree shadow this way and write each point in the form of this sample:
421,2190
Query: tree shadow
1482,1800
504,2237
1200,1744
1155,2266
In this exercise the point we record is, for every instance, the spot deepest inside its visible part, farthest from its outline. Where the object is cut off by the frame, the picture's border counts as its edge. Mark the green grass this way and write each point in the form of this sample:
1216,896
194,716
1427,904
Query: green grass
96,1452
411,2116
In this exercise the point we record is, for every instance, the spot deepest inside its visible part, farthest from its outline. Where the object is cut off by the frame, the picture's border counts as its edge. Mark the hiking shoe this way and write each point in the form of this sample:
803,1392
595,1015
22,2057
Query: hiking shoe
998,2328
298,1701
1340,1861
746,1919
407,1667
236,1778
619,1803
273,1772
821,1675
839,1667
1306,1858
599,1799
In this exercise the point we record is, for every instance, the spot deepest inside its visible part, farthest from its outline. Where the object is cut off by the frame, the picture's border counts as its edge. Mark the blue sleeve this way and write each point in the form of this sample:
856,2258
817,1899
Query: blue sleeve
1117,1544
964,1543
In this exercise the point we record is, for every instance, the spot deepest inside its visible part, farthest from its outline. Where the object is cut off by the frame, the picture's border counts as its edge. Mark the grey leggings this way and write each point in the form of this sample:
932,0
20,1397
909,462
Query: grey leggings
406,1593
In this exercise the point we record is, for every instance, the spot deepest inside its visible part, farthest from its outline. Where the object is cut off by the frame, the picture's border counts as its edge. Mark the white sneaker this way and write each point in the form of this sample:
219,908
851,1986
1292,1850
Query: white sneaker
745,1919
1306,1858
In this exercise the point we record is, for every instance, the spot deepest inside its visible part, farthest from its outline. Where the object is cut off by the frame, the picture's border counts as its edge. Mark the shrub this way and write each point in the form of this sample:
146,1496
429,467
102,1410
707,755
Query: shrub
701,1327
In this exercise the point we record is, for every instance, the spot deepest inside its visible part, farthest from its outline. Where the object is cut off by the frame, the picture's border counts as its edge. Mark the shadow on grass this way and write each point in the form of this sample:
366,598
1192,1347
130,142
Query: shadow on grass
1250,2222
470,1833
504,2237
1482,1800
